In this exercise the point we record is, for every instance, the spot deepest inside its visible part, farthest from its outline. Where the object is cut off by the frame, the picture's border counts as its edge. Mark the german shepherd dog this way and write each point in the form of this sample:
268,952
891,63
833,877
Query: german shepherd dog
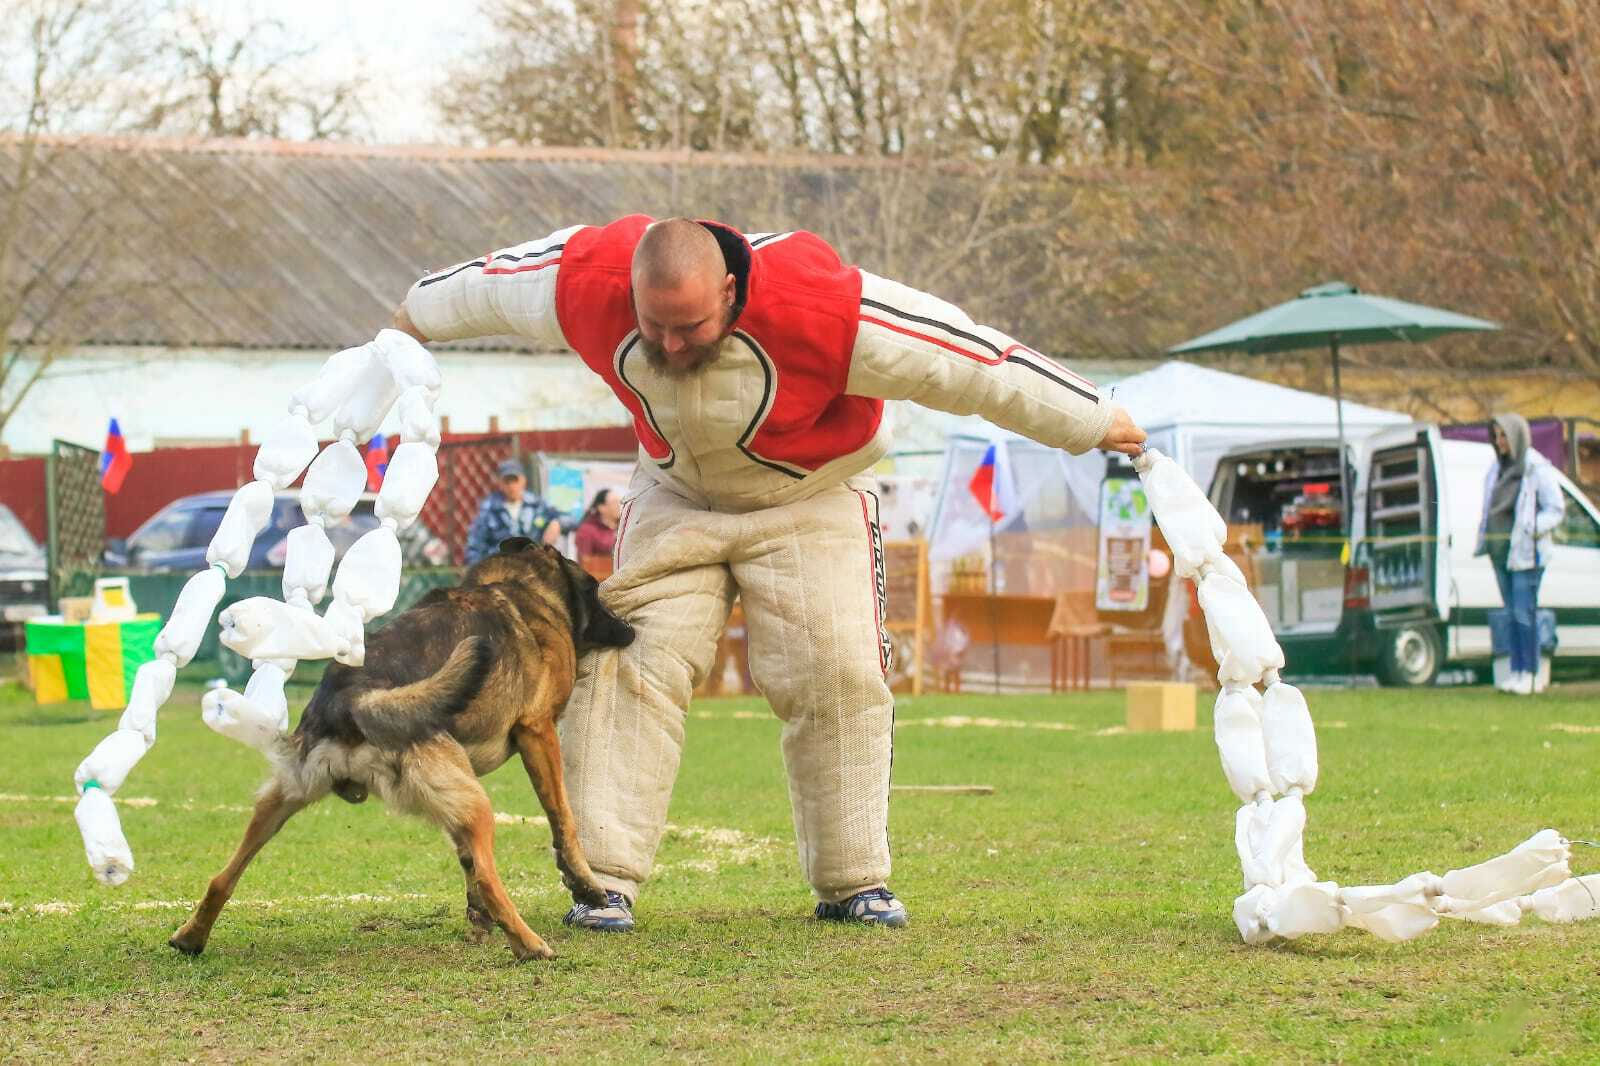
451,688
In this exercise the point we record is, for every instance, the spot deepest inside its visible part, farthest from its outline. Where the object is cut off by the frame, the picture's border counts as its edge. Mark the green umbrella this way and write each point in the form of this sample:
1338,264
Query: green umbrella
1333,313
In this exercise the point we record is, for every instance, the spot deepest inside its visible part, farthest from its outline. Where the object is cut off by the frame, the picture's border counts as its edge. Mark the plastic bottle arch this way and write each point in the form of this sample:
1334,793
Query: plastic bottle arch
356,388
1269,749
1265,737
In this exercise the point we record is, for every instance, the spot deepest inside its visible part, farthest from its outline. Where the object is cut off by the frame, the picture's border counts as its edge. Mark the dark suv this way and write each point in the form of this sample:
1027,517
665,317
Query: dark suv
23,581
175,538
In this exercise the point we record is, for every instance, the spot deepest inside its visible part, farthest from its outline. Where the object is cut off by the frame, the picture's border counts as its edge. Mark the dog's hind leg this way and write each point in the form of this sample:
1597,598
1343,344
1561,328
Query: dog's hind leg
273,809
541,757
442,782
479,922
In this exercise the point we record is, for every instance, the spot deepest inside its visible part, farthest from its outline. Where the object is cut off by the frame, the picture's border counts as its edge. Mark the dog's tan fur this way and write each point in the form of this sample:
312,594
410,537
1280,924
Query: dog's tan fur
450,690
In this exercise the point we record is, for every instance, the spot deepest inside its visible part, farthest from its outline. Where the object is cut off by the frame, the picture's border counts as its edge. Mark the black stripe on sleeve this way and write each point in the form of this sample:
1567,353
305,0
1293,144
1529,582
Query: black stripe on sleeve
451,274
529,255
759,241
1042,372
947,327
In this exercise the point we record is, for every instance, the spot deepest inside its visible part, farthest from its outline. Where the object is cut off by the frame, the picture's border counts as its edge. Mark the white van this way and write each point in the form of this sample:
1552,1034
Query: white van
1409,597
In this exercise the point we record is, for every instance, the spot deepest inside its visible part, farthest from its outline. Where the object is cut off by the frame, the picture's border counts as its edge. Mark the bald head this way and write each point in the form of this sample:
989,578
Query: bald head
682,293
674,251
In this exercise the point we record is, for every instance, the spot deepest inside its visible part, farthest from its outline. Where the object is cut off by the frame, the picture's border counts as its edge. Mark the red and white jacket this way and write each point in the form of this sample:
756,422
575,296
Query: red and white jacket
793,403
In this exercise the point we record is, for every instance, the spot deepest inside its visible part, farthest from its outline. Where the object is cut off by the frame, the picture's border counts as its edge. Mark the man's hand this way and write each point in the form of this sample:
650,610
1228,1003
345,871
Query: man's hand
1123,436
552,532
403,323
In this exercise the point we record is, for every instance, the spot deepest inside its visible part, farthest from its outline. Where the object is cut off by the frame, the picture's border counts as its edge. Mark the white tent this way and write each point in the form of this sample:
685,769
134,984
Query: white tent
1041,488
1194,414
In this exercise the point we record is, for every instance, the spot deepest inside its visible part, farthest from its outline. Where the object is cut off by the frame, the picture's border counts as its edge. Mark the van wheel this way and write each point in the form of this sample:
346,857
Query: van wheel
1410,655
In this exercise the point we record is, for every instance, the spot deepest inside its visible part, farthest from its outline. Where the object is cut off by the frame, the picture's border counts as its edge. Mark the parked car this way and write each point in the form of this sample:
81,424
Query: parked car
1409,597
24,584
175,538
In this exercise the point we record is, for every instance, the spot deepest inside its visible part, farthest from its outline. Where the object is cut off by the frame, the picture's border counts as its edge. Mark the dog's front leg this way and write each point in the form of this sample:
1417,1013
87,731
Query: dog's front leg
540,749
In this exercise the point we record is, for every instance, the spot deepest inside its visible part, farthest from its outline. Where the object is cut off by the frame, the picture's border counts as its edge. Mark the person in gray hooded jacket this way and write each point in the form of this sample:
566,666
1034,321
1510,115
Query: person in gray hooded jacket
1521,507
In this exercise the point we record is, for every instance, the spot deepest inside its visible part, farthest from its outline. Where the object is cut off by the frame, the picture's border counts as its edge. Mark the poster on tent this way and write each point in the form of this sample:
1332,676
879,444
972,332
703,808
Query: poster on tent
568,484
1122,575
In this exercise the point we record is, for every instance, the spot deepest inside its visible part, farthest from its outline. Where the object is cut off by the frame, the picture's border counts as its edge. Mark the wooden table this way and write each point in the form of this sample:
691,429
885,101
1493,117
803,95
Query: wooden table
1001,619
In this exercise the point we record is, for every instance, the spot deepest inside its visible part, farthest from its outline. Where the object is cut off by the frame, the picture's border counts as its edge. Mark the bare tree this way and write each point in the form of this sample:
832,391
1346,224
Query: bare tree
248,80
67,58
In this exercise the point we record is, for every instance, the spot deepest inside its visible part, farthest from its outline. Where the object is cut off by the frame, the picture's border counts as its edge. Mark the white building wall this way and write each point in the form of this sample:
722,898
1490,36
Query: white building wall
201,395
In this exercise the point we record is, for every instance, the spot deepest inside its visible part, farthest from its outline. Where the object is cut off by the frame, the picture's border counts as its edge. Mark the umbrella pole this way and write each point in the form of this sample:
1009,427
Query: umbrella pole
1347,504
1346,522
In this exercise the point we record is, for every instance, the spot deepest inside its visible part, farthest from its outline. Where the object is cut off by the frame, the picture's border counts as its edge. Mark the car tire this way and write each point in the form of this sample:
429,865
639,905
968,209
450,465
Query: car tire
1409,656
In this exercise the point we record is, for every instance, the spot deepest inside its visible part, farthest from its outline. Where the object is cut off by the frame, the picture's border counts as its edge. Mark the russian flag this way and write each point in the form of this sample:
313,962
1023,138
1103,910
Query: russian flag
991,485
377,461
115,462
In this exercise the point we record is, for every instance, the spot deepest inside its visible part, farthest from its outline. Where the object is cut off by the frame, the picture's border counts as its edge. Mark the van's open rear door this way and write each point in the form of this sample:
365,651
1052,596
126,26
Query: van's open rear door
1408,557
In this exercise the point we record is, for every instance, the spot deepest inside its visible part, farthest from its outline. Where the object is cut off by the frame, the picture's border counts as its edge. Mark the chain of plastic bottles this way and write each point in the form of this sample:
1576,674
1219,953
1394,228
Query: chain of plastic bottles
356,388
1268,747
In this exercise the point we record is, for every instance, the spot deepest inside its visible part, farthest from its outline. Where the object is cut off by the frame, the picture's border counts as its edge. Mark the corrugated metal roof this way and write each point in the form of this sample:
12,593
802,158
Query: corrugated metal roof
251,244
241,244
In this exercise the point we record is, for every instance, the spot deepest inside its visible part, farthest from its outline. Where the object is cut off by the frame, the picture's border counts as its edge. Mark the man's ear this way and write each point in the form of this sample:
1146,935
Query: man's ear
730,290
511,545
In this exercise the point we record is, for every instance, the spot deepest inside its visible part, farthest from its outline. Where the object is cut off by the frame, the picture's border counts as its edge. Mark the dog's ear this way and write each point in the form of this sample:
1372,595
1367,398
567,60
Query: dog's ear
593,623
572,593
512,545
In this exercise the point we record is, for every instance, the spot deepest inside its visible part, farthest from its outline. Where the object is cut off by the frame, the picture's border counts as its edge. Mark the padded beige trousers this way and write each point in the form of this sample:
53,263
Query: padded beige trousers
810,575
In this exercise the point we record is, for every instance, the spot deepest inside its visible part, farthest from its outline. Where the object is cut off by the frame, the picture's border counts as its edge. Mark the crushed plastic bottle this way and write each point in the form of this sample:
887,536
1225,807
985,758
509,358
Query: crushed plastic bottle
289,446
1290,739
333,483
365,406
247,515
1538,862
369,574
262,628
186,626
412,473
418,423
103,842
307,563
1237,729
339,376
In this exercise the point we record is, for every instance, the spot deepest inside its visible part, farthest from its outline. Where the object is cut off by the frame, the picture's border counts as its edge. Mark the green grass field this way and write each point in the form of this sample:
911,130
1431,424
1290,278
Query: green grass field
1080,912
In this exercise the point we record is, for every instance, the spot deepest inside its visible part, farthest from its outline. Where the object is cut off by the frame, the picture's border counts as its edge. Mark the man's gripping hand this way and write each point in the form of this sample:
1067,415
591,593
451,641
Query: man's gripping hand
403,323
1123,436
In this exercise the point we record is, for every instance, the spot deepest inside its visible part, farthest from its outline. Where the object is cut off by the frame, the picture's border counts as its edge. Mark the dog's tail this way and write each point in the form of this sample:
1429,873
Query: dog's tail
395,718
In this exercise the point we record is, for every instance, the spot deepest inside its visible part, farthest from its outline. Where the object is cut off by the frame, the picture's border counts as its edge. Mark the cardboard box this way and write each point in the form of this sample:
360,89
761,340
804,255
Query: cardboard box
1160,706
76,609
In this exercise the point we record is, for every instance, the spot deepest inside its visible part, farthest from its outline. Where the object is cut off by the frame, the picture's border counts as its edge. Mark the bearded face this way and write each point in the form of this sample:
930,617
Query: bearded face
689,357
682,324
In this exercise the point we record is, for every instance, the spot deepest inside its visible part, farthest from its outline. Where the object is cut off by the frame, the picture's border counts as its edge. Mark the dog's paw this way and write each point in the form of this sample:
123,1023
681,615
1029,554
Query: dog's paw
187,943
529,952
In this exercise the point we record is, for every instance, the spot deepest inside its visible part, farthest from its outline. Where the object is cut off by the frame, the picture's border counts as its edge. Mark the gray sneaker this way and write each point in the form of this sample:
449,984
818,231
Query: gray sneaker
615,917
875,906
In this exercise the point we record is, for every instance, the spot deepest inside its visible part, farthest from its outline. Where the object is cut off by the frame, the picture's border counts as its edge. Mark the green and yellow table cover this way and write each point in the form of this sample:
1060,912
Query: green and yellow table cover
95,661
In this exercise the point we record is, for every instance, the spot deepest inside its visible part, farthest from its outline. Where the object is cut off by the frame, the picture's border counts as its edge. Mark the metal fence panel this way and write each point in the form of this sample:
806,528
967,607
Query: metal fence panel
76,518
